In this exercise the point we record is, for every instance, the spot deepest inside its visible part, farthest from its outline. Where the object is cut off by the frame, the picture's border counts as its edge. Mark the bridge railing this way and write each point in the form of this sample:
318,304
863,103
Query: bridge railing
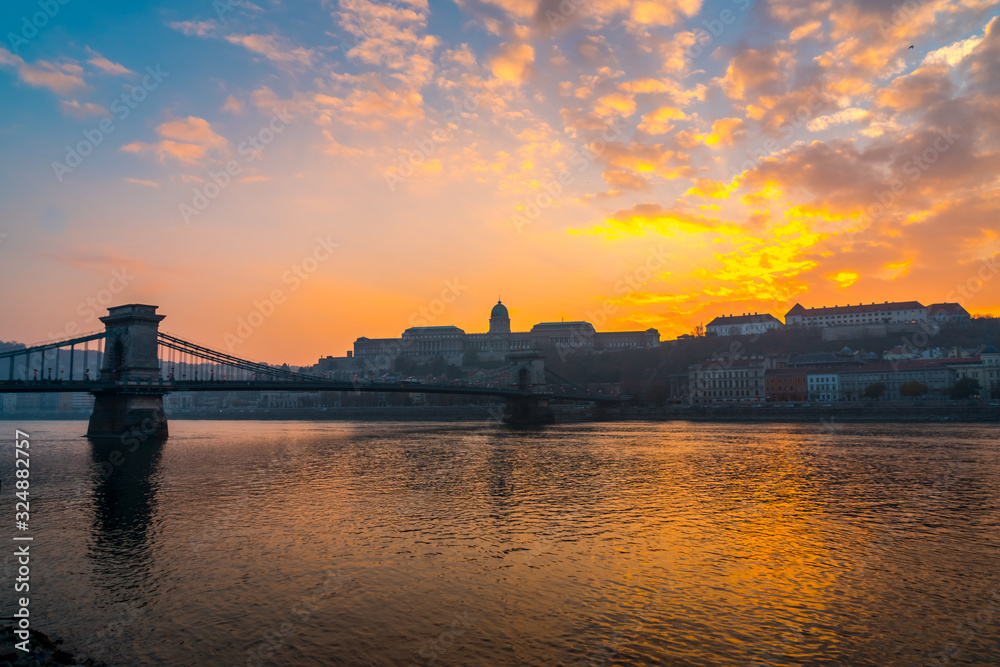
184,361
54,360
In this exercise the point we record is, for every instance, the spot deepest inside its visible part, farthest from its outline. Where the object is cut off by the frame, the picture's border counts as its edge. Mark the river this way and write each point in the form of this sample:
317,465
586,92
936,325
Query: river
627,543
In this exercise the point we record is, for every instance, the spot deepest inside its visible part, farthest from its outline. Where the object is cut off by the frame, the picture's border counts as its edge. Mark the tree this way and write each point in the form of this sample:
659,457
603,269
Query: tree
965,388
875,390
913,389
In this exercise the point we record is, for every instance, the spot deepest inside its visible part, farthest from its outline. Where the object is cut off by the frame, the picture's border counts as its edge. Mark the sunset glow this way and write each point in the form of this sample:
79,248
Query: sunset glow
337,167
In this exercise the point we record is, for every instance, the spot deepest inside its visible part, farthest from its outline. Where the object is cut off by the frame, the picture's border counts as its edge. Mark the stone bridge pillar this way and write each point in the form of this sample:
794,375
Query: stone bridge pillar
527,373
131,403
527,370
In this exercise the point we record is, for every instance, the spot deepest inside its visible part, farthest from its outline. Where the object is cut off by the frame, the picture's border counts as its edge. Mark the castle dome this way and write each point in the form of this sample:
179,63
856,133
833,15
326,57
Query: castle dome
499,312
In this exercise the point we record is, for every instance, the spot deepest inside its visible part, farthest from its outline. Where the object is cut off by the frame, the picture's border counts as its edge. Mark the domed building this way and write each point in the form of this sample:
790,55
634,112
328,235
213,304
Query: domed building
499,319
452,343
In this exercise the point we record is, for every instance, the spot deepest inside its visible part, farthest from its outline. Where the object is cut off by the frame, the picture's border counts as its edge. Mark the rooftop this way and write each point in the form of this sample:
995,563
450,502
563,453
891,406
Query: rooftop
946,309
798,309
745,318
433,330
541,326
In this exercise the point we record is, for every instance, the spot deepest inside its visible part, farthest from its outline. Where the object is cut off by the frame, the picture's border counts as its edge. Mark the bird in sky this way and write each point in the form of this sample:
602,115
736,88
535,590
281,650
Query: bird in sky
911,46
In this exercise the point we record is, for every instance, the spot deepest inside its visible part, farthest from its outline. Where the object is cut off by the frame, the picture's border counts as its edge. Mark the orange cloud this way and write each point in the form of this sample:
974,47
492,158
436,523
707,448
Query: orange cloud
726,131
622,179
652,218
658,120
513,63
188,140
918,90
709,189
844,278
60,78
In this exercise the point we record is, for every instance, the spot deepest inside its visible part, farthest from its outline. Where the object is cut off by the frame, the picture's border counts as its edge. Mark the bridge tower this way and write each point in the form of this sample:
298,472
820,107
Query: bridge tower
527,373
132,400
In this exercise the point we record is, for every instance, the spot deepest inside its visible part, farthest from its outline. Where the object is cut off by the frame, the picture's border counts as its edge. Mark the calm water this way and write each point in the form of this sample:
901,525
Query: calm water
457,544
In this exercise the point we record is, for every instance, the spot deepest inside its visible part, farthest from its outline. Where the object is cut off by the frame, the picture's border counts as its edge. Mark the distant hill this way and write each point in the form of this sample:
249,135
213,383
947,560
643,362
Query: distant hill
12,345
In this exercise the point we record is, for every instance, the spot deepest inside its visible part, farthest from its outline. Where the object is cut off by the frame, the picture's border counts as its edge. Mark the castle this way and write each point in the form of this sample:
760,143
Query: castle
453,344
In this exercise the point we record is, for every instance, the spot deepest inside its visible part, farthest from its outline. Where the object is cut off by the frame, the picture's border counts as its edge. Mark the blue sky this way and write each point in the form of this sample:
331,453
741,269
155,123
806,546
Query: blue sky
753,159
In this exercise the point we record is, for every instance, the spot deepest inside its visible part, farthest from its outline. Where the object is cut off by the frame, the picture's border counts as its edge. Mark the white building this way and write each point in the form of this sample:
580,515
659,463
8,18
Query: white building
741,325
728,380
905,312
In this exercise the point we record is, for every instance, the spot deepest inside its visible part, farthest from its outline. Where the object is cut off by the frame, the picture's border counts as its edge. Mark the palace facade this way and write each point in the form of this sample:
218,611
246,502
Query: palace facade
455,345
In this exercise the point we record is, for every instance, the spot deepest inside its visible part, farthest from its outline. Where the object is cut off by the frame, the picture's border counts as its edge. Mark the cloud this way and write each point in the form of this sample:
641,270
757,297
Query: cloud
986,66
273,47
546,15
232,105
390,36
726,132
844,278
621,179
848,115
74,108
189,140
196,28
709,189
60,78
809,29
513,63
755,72
659,121
644,219
371,107
103,63
922,88
661,12
615,104
894,270
952,54
99,260
137,181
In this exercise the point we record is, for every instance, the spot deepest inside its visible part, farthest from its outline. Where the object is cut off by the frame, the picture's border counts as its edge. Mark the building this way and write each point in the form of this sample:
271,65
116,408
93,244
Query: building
453,344
989,358
904,312
447,342
679,387
901,352
823,385
728,380
935,373
846,356
786,384
984,367
740,325
947,312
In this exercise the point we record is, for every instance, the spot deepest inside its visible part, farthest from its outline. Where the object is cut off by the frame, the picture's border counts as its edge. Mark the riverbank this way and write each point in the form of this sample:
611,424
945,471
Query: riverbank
971,412
849,412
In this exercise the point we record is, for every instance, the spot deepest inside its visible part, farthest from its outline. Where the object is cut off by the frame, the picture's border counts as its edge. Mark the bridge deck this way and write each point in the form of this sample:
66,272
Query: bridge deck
156,387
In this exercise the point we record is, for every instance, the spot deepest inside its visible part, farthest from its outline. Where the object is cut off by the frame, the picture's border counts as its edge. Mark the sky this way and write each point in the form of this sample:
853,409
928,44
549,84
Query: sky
283,177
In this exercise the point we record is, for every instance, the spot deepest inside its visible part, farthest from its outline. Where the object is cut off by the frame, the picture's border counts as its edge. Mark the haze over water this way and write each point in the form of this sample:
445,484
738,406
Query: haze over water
474,544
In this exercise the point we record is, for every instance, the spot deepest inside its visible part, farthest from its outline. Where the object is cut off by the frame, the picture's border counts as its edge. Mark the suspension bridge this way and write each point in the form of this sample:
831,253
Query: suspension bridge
131,365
